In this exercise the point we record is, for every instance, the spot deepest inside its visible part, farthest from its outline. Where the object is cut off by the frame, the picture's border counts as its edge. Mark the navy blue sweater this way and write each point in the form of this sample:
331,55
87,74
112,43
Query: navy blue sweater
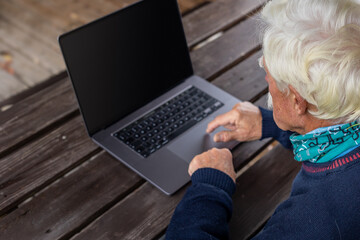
324,202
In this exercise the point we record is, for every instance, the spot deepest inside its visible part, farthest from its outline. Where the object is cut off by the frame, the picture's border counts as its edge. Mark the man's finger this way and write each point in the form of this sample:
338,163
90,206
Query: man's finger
224,136
221,120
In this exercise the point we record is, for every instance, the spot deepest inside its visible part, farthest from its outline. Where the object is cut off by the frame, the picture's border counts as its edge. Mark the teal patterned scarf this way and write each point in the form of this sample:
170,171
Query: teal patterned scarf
324,146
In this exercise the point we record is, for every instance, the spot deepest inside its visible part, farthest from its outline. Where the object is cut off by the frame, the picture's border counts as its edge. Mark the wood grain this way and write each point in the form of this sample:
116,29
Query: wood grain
150,210
260,189
58,227
245,80
29,31
216,17
42,161
226,51
49,144
36,113
10,85
208,61
71,201
156,209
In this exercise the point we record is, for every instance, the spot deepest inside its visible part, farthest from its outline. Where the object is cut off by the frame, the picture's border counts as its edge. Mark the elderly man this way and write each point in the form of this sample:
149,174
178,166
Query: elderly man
311,55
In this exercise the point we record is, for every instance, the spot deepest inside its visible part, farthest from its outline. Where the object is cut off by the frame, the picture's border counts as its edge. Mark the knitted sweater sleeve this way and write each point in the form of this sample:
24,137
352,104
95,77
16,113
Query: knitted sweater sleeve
270,129
205,210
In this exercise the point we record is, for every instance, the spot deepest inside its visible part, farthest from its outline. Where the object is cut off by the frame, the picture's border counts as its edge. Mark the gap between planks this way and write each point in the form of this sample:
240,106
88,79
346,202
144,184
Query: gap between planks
257,158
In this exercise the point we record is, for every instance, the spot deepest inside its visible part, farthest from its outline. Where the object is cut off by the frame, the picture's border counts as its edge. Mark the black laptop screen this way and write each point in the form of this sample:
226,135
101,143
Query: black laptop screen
123,61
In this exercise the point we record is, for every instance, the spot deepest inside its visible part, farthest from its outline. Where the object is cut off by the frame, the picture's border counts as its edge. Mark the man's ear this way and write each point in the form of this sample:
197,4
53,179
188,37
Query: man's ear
299,103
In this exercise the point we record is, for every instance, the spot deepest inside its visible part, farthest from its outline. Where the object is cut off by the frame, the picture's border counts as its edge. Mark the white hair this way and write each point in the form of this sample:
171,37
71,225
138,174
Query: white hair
314,45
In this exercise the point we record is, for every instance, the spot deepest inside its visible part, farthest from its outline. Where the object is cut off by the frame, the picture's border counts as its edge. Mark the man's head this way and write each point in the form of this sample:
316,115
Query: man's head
312,48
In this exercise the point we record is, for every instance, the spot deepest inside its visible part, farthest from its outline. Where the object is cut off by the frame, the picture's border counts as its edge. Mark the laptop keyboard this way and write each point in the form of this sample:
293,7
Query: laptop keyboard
151,132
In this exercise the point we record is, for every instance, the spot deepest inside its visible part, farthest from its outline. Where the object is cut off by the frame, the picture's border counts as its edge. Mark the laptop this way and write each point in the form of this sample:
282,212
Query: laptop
136,89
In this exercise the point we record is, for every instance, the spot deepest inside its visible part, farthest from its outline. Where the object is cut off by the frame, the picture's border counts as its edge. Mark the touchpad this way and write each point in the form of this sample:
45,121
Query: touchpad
196,141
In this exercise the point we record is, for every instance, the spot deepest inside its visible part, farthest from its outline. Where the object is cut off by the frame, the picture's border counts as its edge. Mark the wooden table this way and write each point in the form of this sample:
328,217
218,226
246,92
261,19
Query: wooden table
55,183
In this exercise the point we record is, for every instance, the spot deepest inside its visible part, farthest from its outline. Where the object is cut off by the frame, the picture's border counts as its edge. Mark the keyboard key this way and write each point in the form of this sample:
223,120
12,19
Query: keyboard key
121,136
135,144
140,149
129,140
181,130
217,104
135,129
168,121
198,118
207,111
164,141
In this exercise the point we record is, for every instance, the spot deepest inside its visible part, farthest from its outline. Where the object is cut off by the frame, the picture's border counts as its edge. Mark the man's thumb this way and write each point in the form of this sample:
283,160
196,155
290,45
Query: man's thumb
224,136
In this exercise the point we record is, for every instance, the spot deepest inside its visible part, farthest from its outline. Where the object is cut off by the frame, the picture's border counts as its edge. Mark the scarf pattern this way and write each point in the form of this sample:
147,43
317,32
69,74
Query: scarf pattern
324,146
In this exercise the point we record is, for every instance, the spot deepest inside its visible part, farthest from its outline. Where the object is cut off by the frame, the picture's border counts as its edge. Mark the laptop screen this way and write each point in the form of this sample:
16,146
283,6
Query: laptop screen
122,61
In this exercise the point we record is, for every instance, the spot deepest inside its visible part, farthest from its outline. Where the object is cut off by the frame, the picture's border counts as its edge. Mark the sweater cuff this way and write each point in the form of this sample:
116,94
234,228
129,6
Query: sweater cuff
215,178
269,127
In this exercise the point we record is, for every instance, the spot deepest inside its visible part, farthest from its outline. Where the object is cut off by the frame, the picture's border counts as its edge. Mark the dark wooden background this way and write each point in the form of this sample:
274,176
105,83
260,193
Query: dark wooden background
56,184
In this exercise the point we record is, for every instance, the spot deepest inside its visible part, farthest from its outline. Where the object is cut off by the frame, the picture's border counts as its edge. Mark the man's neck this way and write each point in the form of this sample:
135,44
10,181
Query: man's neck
310,123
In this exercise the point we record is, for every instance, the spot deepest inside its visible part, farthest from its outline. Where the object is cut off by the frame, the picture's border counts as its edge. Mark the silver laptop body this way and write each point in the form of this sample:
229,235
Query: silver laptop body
105,61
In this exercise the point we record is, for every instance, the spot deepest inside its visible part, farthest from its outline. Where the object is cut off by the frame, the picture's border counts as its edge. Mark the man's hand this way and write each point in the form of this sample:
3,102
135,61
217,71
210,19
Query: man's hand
220,159
244,122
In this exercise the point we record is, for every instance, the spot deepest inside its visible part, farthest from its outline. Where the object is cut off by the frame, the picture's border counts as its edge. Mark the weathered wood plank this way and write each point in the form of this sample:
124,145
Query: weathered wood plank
22,16
151,211
41,161
217,16
38,54
30,29
227,50
208,61
74,199
242,154
54,22
10,85
244,80
260,189
9,102
36,113
41,108
142,215
84,136
28,56
19,65
190,5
